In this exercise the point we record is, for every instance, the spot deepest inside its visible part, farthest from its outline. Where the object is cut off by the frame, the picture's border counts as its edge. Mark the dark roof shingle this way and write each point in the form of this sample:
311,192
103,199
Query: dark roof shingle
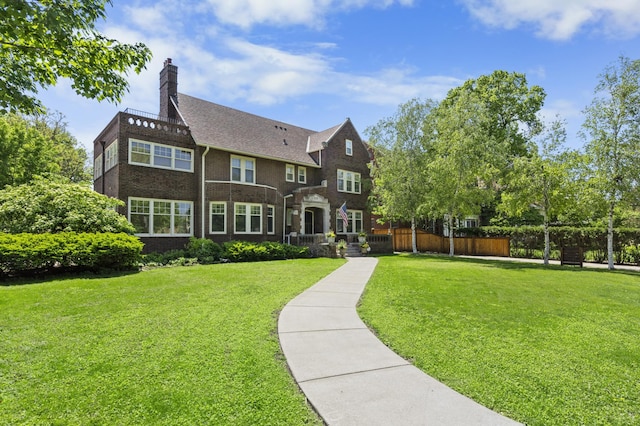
237,131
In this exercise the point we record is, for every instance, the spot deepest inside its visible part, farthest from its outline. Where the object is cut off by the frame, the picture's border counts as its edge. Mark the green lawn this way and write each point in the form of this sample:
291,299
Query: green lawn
544,346
171,346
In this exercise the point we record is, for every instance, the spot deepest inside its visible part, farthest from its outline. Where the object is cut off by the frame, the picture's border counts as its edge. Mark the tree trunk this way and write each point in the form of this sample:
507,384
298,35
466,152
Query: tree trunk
546,239
414,243
610,237
451,247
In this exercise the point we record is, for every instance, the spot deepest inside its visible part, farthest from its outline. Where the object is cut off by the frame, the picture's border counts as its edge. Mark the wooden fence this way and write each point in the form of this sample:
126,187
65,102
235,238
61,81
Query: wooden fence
426,242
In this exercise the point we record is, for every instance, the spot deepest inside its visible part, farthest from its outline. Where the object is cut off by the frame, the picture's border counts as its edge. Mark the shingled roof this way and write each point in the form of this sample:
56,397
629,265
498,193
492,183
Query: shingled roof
237,131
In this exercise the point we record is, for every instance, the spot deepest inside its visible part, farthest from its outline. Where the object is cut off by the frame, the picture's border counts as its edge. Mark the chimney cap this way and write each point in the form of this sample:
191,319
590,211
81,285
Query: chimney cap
167,62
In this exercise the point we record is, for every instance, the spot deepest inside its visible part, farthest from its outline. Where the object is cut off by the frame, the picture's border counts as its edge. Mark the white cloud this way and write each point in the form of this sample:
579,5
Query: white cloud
311,13
560,19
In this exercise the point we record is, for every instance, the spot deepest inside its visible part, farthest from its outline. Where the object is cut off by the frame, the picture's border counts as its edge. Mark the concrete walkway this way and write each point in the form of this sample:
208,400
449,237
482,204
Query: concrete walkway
349,376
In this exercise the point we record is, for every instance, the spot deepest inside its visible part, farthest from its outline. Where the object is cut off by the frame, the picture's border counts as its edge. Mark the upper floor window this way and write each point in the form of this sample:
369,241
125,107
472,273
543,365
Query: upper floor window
151,154
111,155
349,146
97,167
243,169
348,181
302,174
290,173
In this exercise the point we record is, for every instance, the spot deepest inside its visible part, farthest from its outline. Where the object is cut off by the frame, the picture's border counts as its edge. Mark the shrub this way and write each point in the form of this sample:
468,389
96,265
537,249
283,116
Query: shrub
24,253
203,249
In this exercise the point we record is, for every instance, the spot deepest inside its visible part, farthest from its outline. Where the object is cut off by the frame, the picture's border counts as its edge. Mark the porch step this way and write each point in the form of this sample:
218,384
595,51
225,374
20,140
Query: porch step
353,250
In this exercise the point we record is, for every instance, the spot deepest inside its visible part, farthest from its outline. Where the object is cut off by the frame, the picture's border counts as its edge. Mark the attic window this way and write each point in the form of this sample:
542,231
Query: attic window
349,146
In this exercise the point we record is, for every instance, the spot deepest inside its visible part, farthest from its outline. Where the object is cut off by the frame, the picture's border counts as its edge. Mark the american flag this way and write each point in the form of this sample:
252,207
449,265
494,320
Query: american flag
343,214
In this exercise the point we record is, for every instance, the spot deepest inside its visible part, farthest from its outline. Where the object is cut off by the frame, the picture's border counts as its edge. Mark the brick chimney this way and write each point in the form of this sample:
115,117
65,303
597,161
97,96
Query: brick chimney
168,90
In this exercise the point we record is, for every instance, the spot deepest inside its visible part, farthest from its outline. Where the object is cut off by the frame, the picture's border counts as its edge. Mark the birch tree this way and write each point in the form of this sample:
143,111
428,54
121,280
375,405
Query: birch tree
612,131
401,145
545,180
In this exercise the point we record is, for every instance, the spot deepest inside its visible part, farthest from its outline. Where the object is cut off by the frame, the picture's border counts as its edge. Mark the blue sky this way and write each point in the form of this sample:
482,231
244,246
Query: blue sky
312,63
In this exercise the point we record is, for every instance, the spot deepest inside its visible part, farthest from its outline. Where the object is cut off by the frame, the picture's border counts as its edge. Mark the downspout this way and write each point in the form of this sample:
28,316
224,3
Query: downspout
202,201
284,216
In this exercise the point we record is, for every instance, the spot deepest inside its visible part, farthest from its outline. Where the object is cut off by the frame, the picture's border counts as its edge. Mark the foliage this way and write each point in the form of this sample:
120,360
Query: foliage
28,253
59,206
43,41
527,240
401,145
612,126
546,179
341,245
203,249
32,146
480,128
242,251
544,346
169,346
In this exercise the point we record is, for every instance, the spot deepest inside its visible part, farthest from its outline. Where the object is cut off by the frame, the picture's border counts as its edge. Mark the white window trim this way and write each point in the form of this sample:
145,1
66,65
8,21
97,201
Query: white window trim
248,219
97,167
303,176
151,153
293,173
111,155
243,170
272,218
351,214
224,231
348,147
151,202
353,182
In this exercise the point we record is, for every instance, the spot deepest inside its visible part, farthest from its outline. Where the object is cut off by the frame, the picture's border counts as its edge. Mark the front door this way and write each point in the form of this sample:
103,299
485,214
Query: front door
308,222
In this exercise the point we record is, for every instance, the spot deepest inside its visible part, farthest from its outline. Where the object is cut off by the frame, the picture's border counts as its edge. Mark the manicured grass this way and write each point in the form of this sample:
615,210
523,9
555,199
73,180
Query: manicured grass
195,345
544,346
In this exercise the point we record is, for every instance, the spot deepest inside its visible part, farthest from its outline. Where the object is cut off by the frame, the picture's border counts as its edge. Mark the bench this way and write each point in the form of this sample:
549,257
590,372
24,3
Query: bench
571,256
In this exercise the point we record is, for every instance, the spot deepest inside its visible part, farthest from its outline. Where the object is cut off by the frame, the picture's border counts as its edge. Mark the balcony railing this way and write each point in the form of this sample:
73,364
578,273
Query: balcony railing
155,117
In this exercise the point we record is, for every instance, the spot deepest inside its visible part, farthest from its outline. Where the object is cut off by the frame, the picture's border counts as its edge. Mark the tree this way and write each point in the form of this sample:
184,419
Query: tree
460,169
546,179
482,126
39,145
24,152
70,156
401,145
43,41
612,126
58,205
511,106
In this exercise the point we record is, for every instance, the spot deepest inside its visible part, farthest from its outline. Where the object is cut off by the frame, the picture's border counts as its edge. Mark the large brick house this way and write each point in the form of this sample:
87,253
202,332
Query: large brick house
206,170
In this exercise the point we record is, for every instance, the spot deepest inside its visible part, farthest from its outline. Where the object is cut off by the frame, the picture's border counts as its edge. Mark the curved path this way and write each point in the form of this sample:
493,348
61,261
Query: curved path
349,376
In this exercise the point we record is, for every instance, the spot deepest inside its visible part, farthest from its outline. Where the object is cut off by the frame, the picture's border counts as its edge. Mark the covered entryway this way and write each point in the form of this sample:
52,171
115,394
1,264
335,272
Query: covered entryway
315,214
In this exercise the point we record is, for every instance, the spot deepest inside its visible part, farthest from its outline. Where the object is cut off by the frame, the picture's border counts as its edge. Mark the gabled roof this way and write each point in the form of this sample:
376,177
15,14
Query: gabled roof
232,130
316,140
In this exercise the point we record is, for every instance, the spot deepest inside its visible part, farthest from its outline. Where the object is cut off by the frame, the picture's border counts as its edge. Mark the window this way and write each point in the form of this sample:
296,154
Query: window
348,181
184,159
354,222
302,174
97,167
161,217
248,218
161,156
243,169
218,220
111,155
290,174
348,146
271,223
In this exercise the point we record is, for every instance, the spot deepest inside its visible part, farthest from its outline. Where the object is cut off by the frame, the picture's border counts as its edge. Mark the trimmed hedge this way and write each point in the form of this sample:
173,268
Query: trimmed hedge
203,251
527,240
24,253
